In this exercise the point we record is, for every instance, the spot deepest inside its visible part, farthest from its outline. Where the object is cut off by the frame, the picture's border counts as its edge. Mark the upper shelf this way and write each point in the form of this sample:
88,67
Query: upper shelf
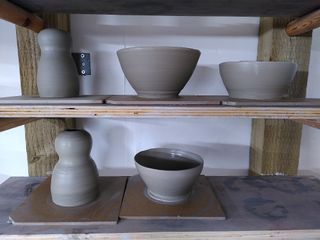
130,106
175,7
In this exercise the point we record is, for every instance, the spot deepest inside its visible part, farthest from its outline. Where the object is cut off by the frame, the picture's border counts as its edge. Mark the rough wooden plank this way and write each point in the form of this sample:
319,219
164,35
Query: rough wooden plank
8,123
19,16
257,207
181,100
40,135
304,24
118,111
175,7
309,122
104,210
202,204
275,144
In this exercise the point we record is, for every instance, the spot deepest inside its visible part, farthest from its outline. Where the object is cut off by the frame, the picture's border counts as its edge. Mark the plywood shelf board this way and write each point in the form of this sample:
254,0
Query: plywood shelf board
115,111
90,99
202,204
38,209
262,207
179,101
175,7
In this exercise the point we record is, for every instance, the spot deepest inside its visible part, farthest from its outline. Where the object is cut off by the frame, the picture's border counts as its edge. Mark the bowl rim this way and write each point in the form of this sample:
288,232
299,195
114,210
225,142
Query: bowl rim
138,48
195,157
249,62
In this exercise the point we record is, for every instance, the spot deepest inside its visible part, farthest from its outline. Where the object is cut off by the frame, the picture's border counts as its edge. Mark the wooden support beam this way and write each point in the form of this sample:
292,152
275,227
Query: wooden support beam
8,123
275,144
304,24
20,17
315,123
40,135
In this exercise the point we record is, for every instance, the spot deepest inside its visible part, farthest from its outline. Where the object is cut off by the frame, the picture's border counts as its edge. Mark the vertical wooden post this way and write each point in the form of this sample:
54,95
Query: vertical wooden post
275,144
40,135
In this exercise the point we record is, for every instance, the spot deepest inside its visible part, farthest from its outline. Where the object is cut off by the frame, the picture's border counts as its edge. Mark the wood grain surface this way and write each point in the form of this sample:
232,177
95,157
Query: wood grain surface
38,208
40,135
20,17
120,111
275,144
202,204
8,123
304,24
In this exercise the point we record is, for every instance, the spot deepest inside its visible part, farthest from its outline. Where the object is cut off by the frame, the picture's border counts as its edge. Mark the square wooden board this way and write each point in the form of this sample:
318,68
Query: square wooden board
38,208
295,102
181,100
202,204
88,99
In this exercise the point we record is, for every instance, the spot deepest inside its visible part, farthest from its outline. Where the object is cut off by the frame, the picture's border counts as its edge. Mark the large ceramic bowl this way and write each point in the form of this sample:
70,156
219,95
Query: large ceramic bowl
158,72
169,174
257,80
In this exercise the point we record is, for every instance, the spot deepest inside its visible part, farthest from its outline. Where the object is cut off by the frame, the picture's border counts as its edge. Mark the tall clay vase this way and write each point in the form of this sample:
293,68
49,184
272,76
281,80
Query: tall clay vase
74,179
57,73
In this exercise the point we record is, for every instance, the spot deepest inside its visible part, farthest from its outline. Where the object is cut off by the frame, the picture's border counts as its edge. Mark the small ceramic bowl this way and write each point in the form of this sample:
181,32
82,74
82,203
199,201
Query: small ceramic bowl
169,174
257,80
158,72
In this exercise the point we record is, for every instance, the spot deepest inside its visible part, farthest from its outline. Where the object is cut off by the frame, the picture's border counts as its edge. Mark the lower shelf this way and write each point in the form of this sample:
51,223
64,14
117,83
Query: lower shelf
258,207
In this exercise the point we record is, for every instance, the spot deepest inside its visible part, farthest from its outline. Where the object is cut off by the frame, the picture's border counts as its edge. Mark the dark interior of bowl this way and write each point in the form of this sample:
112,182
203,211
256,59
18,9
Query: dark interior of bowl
166,161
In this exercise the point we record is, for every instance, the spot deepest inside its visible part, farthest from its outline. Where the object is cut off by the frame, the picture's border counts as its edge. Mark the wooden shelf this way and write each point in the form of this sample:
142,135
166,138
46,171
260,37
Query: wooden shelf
201,106
107,111
186,106
175,7
265,207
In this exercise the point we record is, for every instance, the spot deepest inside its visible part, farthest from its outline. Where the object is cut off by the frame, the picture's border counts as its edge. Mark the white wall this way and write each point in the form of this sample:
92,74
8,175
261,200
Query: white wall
222,142
310,150
12,144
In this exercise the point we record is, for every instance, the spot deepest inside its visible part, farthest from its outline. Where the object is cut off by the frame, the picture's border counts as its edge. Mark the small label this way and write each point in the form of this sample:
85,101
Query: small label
82,61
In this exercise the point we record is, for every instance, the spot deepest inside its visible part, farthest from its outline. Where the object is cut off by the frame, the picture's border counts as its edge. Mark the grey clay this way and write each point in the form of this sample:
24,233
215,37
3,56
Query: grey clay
158,72
57,74
169,174
257,80
74,179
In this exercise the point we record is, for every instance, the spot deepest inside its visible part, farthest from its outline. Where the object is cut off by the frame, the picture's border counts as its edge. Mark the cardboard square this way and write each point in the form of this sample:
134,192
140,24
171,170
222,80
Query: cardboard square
202,204
38,208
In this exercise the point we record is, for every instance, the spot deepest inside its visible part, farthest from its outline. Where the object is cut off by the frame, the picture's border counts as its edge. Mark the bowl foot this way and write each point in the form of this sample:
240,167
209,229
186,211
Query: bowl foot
169,200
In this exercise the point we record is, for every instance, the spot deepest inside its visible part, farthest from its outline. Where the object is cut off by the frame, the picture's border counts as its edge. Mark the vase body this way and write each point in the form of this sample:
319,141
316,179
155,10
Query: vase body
57,73
74,179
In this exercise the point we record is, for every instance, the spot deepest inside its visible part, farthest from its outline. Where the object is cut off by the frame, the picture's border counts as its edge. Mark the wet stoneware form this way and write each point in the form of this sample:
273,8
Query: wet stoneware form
57,74
257,80
169,174
75,177
158,72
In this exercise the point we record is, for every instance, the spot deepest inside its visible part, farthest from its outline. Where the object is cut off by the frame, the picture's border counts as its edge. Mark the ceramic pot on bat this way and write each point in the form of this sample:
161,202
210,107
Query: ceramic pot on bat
169,174
57,73
74,180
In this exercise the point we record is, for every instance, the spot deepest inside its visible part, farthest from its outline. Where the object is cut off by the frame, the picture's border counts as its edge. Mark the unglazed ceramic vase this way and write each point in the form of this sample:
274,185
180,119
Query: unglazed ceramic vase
57,73
169,174
257,80
158,72
74,180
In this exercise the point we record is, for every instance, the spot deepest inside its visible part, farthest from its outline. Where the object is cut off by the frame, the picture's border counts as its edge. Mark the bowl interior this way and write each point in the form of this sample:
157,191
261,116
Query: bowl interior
168,160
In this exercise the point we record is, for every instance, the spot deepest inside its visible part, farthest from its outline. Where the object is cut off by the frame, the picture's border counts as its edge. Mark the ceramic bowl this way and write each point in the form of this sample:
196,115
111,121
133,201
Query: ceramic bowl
169,174
158,72
257,80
